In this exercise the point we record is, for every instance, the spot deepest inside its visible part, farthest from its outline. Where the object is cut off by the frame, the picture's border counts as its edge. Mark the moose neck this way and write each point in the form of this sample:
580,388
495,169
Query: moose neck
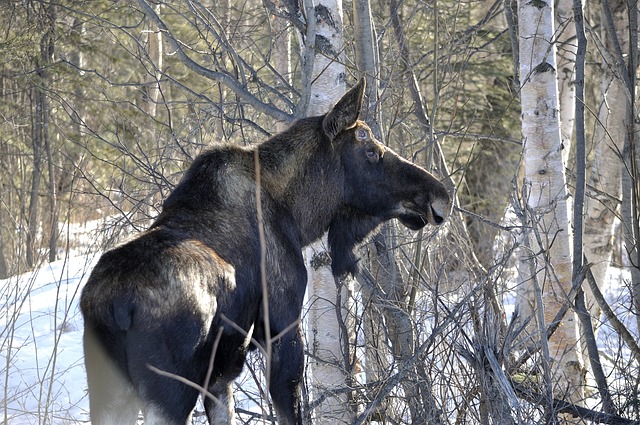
300,170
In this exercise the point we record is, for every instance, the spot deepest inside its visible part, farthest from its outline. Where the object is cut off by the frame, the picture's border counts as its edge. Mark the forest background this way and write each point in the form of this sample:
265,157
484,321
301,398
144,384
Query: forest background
103,104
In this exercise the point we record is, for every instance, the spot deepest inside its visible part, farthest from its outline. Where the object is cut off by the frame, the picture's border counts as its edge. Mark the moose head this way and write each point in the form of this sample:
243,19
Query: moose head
377,184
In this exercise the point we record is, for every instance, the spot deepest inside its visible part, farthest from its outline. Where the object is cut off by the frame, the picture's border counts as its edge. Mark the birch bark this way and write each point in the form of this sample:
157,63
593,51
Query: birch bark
281,46
546,192
329,366
605,170
566,51
153,41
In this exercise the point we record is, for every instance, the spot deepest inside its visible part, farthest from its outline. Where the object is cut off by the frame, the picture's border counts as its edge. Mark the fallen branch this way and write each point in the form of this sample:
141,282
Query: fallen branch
561,406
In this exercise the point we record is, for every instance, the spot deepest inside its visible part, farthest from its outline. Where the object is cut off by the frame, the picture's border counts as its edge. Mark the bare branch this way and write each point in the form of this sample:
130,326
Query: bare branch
220,77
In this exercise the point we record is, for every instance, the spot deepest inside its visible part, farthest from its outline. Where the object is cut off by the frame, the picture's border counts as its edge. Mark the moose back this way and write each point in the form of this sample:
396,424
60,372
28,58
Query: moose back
183,299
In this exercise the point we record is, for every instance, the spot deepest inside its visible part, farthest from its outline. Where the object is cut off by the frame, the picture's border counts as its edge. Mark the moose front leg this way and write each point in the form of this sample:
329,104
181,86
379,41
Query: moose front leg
287,280
286,377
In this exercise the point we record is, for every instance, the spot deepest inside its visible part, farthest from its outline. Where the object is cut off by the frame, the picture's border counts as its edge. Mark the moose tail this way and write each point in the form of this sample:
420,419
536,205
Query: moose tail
123,309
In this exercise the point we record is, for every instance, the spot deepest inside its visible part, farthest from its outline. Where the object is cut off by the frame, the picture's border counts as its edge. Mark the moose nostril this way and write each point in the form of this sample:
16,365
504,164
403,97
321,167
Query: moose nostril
438,217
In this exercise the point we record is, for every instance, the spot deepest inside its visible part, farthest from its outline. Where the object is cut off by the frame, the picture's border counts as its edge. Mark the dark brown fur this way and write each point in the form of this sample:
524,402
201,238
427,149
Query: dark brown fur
165,298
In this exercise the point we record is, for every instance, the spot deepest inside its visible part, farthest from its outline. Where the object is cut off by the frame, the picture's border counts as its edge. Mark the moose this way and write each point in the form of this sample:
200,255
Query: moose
184,301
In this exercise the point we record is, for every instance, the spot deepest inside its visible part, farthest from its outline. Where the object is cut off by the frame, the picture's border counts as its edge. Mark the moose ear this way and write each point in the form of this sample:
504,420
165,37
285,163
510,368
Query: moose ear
345,113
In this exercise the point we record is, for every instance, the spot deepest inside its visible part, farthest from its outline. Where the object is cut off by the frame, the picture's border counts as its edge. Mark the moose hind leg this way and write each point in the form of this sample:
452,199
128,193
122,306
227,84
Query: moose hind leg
229,361
167,400
112,399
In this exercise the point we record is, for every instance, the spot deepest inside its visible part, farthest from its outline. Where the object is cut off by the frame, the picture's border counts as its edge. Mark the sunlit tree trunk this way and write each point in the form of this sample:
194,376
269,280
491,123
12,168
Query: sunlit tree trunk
155,55
329,365
4,265
566,51
78,115
630,209
603,200
151,50
281,46
4,246
546,194
634,28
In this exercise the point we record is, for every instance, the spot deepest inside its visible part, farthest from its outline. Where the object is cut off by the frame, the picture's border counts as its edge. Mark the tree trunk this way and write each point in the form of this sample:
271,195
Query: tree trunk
40,137
153,41
634,46
281,58
566,52
329,365
36,174
602,202
54,209
4,265
384,266
547,194
377,362
631,157
47,48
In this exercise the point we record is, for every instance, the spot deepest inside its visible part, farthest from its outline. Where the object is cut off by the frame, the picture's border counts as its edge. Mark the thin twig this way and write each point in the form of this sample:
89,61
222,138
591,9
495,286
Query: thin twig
187,382
486,220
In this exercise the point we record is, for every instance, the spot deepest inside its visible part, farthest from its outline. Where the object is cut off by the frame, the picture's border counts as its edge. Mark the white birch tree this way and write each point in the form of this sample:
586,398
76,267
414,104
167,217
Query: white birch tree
281,56
605,169
328,369
546,197
566,52
152,39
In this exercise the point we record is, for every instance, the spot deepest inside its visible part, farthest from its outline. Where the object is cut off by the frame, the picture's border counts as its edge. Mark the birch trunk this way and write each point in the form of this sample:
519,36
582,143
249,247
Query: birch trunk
631,156
155,55
634,18
566,56
602,203
329,365
281,46
547,194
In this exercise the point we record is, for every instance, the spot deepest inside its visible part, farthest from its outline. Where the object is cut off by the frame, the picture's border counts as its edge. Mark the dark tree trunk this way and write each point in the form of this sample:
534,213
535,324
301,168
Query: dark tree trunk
36,174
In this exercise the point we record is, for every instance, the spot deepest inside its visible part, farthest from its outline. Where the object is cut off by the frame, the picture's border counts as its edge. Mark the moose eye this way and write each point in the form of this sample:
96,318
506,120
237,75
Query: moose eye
372,155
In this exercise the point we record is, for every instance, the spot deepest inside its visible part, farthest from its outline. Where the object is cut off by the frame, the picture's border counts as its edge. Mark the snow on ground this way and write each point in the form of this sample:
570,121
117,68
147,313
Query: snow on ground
42,375
42,371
